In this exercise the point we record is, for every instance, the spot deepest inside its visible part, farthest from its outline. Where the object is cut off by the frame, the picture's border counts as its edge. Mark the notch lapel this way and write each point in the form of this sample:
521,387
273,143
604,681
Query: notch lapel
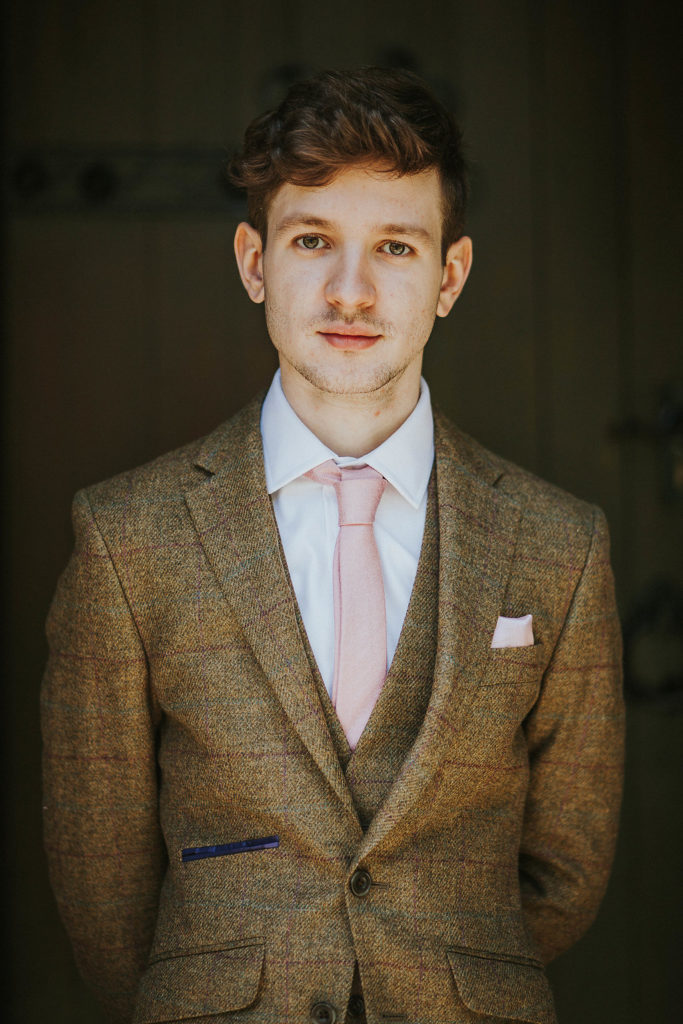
478,528
234,519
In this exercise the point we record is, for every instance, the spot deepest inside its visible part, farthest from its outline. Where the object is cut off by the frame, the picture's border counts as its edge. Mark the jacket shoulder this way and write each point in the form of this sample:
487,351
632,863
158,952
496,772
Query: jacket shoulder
542,502
170,475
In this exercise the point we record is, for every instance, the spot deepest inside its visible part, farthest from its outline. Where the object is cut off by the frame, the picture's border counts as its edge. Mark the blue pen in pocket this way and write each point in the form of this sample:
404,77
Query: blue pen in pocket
243,846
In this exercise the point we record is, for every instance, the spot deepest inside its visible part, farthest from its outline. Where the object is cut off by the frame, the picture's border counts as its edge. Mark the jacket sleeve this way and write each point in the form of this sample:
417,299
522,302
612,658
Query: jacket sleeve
575,737
101,823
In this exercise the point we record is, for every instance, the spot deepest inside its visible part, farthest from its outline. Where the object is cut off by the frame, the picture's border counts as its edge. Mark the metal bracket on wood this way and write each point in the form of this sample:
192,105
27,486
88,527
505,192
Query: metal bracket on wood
123,182
664,434
653,646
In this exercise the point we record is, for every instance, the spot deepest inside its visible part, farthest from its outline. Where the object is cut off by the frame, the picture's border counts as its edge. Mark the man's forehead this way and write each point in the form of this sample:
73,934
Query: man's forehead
375,196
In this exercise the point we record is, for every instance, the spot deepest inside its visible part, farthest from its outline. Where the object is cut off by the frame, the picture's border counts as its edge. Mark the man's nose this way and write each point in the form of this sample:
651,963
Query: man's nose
350,284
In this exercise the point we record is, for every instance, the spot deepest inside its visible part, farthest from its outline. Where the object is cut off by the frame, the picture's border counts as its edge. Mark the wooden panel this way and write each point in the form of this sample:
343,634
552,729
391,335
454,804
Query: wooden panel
578,348
622,280
78,72
213,350
655,215
74,364
482,359
195,68
653,548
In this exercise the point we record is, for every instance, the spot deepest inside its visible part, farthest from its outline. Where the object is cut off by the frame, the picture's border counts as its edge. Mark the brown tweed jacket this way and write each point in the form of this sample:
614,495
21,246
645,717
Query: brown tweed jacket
180,710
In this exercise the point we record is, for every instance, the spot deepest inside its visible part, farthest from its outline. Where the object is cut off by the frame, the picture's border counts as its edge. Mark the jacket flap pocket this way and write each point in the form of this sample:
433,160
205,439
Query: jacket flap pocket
199,984
492,984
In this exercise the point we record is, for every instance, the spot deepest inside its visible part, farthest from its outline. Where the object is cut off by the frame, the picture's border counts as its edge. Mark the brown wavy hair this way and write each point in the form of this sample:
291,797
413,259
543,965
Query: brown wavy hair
338,119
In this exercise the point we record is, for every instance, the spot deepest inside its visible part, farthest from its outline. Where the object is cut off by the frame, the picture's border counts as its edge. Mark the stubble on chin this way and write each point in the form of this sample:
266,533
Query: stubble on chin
349,380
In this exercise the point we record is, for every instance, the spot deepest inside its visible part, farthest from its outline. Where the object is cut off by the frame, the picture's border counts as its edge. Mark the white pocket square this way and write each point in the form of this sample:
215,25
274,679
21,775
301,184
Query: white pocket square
513,632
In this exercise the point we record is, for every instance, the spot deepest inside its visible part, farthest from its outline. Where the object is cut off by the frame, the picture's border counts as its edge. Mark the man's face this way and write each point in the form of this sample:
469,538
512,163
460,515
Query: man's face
352,279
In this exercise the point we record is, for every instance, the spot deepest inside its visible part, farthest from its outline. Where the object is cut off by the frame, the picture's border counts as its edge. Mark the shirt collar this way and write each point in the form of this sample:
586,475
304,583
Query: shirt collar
290,449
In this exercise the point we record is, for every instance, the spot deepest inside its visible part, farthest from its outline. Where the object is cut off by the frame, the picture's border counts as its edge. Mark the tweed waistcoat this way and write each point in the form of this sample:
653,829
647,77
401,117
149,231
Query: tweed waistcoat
398,714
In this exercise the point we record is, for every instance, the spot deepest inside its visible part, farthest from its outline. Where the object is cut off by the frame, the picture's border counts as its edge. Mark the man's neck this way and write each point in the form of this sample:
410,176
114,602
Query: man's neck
352,425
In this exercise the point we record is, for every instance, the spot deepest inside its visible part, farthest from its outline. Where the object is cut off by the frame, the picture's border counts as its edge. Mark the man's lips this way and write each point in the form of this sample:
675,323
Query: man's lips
341,336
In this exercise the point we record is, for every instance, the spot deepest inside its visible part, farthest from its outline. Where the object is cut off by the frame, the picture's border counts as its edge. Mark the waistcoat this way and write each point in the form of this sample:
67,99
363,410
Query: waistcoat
395,721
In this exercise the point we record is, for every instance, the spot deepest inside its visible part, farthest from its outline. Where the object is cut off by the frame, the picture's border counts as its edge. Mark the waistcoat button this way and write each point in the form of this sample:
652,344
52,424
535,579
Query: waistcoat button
360,882
323,1013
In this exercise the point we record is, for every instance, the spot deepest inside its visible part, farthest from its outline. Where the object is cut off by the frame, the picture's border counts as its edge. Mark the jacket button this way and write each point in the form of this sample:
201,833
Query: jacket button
323,1013
360,882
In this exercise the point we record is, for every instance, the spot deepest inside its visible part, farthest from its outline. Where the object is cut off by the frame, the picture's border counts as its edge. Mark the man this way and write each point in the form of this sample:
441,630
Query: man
332,716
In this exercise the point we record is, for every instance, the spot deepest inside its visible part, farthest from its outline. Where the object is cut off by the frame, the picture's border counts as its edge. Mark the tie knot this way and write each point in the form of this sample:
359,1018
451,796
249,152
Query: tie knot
359,489
358,493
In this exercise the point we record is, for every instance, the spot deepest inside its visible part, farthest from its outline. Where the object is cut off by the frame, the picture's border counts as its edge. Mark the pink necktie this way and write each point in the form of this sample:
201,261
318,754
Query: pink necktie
360,623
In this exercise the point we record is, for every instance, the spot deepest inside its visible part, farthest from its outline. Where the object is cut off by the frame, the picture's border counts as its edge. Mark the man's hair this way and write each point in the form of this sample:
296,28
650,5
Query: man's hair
338,119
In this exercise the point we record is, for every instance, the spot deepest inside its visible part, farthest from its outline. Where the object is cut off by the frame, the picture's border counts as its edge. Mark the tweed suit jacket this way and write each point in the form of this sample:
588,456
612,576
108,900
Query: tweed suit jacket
179,710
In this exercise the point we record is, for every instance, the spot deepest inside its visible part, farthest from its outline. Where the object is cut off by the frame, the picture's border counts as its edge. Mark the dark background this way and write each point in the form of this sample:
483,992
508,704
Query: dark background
127,333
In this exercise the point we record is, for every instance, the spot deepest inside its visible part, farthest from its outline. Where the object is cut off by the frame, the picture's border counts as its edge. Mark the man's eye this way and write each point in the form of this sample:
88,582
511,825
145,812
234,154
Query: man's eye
396,248
310,242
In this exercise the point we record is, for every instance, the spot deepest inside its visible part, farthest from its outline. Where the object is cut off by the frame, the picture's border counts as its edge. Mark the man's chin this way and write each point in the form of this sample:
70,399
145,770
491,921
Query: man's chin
351,381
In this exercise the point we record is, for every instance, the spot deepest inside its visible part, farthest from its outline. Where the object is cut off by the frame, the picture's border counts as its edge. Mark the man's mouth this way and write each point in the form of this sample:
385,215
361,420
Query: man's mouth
346,336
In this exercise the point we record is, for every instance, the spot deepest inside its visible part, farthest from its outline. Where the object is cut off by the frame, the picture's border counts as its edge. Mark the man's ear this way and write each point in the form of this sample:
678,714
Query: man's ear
455,271
249,256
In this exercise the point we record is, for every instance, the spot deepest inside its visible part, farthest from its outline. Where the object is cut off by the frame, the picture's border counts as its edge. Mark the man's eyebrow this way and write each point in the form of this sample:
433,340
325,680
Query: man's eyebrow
415,230
303,220
306,220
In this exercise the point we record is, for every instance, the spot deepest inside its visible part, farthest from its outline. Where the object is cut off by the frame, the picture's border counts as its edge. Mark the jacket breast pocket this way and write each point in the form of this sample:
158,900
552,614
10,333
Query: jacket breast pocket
504,665
201,984
502,987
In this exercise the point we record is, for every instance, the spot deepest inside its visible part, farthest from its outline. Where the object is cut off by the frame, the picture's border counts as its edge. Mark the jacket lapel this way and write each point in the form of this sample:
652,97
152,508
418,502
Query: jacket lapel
478,527
234,519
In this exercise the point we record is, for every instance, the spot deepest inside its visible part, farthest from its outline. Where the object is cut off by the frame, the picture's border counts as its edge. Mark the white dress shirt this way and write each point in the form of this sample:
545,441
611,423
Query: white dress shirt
307,516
